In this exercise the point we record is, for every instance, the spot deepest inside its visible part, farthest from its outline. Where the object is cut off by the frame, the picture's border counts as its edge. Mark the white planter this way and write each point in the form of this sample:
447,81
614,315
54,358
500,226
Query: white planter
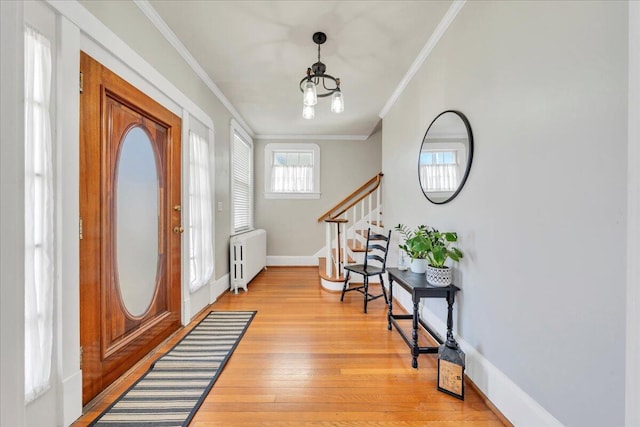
439,276
419,265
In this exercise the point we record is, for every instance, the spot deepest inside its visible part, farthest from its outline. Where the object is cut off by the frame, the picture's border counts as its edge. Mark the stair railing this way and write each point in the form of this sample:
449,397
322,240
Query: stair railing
337,255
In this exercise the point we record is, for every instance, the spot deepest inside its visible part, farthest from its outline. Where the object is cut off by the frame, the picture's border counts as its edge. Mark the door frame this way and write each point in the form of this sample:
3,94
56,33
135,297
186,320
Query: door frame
79,29
107,357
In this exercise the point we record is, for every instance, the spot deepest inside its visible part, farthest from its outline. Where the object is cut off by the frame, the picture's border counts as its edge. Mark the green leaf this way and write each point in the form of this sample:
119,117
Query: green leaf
451,237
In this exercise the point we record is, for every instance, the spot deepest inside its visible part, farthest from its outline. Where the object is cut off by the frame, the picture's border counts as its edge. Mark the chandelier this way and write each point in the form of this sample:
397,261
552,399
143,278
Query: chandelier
316,81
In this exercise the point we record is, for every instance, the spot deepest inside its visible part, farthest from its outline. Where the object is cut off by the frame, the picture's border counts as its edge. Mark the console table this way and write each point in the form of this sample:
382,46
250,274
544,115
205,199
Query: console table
417,286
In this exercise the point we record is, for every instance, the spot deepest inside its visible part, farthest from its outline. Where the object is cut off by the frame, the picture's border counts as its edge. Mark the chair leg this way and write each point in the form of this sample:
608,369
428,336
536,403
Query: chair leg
344,287
366,292
384,292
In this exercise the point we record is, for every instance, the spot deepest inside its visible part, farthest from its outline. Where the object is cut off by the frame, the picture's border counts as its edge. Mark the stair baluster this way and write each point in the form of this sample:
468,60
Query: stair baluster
339,253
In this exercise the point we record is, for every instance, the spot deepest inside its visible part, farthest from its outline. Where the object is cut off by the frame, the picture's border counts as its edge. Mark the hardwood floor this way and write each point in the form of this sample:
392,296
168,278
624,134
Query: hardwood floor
309,360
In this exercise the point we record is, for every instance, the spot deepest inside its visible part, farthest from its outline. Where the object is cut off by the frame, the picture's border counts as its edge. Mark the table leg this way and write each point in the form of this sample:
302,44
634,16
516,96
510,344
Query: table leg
390,307
450,340
415,350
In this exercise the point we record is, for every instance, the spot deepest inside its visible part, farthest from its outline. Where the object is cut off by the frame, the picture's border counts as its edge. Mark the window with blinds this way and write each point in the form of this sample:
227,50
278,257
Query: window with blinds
241,182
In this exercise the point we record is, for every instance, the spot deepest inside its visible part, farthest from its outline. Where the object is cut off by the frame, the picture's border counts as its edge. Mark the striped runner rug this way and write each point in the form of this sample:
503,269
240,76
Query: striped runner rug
175,386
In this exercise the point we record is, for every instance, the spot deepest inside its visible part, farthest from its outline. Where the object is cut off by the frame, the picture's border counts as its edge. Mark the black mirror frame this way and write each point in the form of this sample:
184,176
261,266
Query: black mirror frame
469,156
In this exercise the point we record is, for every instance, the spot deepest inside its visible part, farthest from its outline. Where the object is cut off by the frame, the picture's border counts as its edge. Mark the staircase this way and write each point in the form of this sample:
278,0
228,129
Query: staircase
346,227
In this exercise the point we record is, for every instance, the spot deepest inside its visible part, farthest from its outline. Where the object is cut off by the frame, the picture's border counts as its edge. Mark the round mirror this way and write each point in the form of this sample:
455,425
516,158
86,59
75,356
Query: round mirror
137,221
445,157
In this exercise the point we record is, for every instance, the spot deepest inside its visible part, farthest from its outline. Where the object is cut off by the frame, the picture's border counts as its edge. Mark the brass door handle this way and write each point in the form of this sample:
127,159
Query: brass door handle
178,229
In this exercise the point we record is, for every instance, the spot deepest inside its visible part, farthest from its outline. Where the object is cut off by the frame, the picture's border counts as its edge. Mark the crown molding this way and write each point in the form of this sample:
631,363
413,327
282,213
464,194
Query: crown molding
446,20
171,37
315,137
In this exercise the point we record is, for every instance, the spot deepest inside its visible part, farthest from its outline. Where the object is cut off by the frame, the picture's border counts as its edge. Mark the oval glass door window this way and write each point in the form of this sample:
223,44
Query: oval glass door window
137,222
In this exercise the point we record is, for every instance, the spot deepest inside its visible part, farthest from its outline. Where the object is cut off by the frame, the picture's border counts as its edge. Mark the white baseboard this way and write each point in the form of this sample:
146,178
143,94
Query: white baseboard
220,286
72,398
292,261
516,405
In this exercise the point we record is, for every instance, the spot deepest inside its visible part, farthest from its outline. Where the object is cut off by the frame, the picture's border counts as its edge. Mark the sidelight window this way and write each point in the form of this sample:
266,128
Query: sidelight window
200,213
39,215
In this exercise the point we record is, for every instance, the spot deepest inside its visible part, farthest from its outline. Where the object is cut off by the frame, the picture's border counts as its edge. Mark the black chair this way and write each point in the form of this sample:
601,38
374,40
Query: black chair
374,251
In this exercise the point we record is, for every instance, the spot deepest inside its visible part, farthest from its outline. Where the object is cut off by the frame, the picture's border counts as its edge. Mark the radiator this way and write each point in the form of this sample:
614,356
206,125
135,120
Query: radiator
248,256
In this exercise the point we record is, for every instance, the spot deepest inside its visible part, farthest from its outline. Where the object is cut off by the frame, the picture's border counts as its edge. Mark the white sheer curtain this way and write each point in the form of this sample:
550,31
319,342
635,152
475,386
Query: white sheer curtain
292,172
200,213
439,171
39,209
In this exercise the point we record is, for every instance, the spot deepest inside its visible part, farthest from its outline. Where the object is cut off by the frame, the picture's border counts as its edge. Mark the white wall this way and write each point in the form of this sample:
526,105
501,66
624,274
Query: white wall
633,227
542,217
11,218
344,166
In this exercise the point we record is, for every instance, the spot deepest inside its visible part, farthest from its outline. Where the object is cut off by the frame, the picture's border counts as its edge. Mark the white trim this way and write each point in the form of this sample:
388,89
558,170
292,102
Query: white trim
516,405
71,397
446,20
67,143
292,261
93,29
632,371
316,137
185,240
212,153
221,285
171,37
292,196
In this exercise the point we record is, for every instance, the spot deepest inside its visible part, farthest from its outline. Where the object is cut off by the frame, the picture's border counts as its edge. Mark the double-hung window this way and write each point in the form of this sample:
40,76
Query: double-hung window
241,180
292,171
39,215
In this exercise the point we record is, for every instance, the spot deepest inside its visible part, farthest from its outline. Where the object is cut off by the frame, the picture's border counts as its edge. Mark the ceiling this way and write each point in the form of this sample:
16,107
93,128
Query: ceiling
256,53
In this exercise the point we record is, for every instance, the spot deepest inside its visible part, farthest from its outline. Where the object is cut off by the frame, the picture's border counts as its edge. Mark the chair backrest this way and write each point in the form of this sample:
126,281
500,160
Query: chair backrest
375,250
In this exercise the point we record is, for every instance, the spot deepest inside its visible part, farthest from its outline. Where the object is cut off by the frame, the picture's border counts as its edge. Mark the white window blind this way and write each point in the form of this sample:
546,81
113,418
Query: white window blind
200,213
242,183
439,170
39,211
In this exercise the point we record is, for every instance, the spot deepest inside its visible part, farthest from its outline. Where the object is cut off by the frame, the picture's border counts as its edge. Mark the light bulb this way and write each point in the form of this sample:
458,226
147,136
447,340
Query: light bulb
337,102
309,95
308,112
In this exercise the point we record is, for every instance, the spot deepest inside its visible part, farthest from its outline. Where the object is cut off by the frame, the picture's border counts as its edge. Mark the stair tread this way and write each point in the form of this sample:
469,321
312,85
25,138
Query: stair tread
356,246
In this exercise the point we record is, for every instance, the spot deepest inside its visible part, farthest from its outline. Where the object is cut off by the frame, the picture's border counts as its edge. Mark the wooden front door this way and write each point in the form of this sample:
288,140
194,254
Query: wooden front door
131,225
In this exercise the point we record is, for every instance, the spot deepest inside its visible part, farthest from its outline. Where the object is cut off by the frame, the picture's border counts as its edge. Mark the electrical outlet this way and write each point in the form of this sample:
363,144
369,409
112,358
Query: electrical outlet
219,206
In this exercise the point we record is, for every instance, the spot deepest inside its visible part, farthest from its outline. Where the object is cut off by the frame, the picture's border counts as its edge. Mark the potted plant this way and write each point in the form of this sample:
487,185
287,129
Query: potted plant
438,252
416,246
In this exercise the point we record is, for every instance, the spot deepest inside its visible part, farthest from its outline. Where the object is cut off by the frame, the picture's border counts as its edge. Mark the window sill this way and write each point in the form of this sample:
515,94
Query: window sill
302,196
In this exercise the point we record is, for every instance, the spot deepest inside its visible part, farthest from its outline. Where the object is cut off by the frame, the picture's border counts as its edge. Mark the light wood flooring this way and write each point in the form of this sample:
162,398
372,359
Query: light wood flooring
309,360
